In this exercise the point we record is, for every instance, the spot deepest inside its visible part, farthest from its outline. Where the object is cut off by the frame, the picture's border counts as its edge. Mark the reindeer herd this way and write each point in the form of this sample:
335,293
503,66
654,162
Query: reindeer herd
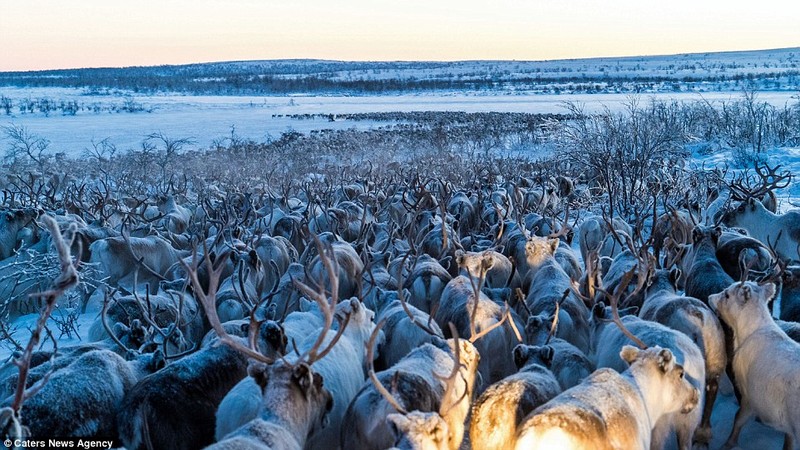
411,313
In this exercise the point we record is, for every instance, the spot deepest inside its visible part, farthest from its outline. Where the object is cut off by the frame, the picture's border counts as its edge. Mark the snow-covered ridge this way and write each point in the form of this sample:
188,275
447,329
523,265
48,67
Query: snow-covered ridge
777,69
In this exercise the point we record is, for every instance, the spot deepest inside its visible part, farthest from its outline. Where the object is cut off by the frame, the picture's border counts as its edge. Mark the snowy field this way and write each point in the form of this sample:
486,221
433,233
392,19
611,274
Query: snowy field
209,118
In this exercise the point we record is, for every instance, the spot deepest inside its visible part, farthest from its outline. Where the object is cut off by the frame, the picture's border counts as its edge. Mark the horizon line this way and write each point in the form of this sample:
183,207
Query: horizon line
297,59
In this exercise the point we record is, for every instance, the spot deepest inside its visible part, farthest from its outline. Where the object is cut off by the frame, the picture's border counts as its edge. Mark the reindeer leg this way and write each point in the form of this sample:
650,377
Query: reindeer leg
742,416
702,435
788,442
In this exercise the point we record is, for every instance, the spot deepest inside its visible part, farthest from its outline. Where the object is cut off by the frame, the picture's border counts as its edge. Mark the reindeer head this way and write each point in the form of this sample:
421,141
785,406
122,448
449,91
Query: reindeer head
538,249
420,431
474,264
743,213
526,355
657,368
706,235
742,304
293,392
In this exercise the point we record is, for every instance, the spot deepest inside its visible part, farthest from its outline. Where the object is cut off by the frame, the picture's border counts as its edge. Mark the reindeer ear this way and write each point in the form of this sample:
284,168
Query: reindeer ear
697,234
520,355
440,432
546,354
599,310
397,423
665,360
459,257
259,373
746,292
769,292
716,233
553,244
487,263
302,376
157,361
629,354
318,381
675,275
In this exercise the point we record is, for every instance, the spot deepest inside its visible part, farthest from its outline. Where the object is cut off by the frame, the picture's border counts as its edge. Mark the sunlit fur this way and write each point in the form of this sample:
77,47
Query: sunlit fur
416,385
609,410
502,407
610,340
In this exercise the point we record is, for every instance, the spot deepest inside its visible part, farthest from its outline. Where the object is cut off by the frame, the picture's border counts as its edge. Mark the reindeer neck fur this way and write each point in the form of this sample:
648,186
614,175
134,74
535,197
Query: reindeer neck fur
650,393
278,408
661,287
755,320
757,222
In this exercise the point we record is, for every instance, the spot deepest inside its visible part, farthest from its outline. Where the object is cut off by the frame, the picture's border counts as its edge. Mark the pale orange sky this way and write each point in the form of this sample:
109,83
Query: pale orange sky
42,34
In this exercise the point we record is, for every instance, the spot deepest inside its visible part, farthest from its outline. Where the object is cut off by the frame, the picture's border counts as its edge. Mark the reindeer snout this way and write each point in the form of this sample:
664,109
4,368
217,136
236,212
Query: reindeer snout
692,403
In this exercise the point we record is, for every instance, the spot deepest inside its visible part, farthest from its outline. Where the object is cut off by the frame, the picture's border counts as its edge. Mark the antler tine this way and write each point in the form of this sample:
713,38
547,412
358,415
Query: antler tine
208,301
174,329
450,379
565,227
498,324
374,378
331,266
145,312
104,319
744,267
554,326
614,300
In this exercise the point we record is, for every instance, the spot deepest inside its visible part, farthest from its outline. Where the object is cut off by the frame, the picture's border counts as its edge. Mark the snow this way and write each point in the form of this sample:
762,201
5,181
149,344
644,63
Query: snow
209,118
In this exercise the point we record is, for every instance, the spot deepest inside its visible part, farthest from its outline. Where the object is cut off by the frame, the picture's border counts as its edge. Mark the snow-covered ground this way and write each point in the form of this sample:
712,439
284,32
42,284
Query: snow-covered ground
209,118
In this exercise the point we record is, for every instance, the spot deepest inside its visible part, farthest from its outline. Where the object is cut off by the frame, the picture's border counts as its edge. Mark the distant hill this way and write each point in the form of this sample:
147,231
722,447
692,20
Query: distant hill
777,70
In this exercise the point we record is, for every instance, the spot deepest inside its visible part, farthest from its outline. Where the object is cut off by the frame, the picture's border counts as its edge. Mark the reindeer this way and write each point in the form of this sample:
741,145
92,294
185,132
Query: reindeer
12,221
696,320
120,258
501,272
706,276
372,417
792,329
425,283
609,340
502,407
781,231
79,399
568,363
551,295
349,266
790,294
765,361
474,314
406,327
610,410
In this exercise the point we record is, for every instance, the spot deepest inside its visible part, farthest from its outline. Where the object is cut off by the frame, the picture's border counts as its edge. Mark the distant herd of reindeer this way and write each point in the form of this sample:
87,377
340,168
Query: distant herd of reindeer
416,314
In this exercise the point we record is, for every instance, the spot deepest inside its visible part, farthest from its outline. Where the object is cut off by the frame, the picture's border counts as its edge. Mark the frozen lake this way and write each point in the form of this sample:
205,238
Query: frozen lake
209,118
